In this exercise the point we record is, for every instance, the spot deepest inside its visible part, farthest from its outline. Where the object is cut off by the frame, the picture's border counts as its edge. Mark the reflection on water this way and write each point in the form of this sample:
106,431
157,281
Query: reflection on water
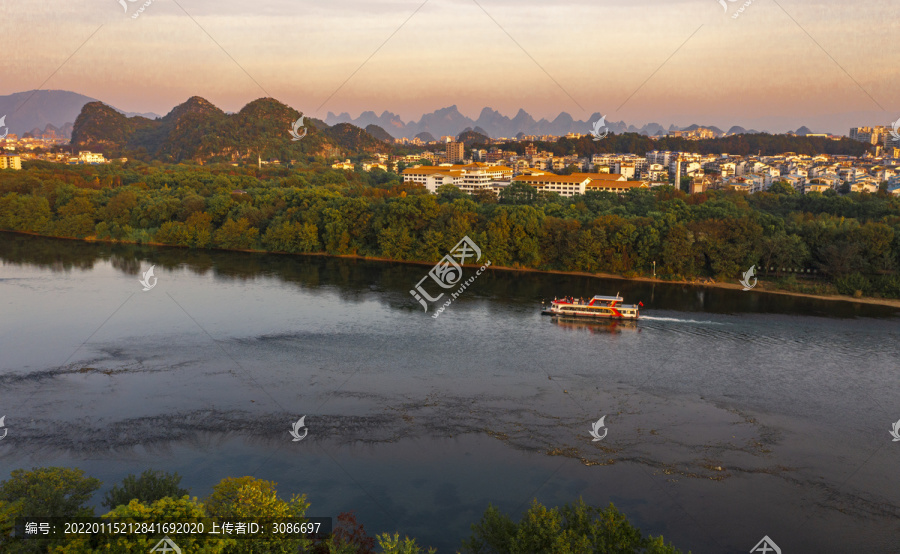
351,276
595,326
731,415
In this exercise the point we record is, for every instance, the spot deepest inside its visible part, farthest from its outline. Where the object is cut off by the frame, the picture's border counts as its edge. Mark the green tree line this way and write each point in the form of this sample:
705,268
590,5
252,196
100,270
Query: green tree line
849,243
157,496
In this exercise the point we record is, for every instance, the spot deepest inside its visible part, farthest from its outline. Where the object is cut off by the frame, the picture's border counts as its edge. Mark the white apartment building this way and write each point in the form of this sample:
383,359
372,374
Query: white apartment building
660,157
468,178
850,174
86,157
625,169
578,183
657,172
564,185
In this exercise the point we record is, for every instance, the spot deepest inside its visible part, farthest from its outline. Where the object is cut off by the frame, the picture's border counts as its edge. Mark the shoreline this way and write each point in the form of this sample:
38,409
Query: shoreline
889,302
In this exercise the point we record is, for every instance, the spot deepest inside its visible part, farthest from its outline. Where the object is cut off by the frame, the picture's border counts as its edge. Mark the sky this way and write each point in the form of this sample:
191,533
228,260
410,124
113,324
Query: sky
780,64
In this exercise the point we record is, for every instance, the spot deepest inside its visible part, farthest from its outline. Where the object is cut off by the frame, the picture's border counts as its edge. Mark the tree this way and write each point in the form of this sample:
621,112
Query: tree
348,537
148,488
198,230
293,237
449,193
784,252
572,529
163,510
45,492
782,187
249,497
518,193
50,491
236,235
25,213
394,545
76,218
485,196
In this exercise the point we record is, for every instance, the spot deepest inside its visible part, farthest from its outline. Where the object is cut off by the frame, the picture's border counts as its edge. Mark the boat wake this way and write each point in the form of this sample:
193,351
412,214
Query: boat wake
676,320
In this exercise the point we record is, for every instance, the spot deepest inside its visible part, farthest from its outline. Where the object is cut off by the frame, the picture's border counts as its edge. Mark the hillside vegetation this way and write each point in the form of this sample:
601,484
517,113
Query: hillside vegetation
198,131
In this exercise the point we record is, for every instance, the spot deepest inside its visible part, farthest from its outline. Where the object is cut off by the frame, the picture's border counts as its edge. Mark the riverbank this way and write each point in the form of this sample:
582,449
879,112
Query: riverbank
761,287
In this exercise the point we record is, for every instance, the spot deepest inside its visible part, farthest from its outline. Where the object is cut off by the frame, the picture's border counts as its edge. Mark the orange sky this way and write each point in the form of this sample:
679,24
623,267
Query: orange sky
668,61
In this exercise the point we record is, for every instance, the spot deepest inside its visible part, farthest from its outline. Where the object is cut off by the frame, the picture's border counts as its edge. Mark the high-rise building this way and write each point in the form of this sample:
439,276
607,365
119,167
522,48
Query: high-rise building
869,135
456,152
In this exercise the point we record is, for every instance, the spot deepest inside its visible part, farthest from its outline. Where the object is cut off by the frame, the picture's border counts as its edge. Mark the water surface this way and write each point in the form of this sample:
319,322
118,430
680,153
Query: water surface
731,415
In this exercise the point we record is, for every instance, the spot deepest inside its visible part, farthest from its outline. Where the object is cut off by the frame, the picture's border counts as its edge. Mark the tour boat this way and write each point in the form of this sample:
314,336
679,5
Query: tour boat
601,307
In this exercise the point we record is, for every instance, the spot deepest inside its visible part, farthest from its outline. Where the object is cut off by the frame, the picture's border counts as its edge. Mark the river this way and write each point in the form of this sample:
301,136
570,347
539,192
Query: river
729,415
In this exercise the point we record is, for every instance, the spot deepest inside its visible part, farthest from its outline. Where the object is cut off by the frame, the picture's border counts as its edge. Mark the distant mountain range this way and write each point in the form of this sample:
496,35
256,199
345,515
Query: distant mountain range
43,111
199,131
53,113
450,122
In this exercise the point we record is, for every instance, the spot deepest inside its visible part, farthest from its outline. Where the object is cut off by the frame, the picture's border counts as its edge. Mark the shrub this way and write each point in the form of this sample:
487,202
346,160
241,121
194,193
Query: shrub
148,488
850,284
568,530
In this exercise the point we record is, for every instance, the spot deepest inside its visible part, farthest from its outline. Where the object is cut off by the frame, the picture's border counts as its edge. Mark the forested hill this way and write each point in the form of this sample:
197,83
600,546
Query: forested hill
199,131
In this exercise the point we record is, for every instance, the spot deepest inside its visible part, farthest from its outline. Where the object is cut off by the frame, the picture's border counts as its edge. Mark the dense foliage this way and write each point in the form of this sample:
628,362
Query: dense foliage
571,529
45,491
149,487
848,244
64,492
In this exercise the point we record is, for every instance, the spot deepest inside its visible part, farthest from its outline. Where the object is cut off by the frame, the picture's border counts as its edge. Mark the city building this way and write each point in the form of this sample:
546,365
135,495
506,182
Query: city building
455,152
468,178
869,135
564,185
10,161
577,183
86,157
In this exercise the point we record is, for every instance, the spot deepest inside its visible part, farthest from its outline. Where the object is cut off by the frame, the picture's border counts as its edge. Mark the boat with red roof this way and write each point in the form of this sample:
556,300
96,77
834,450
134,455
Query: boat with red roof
598,307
